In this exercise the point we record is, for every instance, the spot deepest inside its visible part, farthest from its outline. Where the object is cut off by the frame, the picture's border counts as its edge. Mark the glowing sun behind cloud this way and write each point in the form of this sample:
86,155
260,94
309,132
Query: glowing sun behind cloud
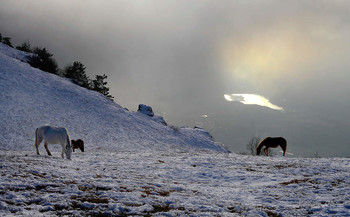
266,58
252,99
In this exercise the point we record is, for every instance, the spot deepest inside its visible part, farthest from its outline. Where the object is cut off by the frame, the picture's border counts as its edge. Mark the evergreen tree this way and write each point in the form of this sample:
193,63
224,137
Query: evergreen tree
25,46
99,85
43,60
0,37
76,72
7,41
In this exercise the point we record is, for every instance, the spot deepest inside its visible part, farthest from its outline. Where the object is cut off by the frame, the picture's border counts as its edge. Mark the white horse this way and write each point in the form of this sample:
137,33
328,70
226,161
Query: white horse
53,135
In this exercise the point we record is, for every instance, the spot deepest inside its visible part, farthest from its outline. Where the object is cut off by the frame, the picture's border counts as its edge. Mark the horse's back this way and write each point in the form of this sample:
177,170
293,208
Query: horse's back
281,140
273,141
52,134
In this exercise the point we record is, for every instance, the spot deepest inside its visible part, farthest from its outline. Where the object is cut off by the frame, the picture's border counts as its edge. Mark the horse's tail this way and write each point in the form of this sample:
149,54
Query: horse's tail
82,145
284,145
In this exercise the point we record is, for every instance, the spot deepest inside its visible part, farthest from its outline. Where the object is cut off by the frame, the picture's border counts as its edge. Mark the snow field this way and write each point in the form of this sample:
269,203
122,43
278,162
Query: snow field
172,183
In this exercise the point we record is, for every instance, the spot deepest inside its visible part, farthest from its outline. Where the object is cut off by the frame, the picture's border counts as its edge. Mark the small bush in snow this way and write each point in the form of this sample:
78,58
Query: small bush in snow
252,144
175,128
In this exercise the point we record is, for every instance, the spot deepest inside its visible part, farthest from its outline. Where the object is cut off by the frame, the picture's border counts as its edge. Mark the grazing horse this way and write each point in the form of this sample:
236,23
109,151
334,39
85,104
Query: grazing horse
53,135
272,142
78,144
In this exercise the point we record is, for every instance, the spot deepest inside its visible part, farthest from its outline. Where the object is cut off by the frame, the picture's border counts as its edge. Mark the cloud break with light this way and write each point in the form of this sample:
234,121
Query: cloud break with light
252,99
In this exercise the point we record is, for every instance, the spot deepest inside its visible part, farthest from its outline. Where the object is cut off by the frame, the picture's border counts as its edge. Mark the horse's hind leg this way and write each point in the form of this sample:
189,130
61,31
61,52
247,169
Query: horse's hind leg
38,140
47,149
37,143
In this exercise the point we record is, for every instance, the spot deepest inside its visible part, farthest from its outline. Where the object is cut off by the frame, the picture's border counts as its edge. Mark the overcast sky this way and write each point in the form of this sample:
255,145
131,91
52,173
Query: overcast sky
182,57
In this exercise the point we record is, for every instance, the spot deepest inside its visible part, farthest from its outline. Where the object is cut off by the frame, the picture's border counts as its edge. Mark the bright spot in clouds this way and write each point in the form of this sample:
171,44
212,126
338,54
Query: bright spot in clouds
252,99
267,58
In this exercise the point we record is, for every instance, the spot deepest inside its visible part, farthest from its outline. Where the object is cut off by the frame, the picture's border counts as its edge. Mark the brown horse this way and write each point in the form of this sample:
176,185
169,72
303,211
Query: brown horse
272,142
78,144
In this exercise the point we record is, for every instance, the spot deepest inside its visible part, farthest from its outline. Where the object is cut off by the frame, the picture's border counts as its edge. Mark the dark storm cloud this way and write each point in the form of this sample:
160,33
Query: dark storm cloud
181,57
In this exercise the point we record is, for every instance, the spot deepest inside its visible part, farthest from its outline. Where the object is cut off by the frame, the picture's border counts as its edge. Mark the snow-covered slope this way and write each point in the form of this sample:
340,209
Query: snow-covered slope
30,98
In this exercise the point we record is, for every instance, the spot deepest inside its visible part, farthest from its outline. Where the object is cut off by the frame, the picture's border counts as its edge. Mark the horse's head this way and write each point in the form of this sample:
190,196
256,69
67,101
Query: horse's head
258,150
261,145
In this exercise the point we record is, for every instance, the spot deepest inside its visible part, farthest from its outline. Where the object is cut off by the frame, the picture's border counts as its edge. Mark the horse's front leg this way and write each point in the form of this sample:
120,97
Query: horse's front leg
38,140
62,154
47,149
266,151
37,149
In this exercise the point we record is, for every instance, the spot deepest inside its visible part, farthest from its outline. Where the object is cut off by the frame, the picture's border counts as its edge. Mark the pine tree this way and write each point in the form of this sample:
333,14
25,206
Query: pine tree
25,46
7,41
76,72
99,85
43,60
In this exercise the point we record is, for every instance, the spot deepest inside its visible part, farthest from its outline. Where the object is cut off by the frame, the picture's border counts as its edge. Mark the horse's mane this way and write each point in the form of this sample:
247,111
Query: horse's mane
261,144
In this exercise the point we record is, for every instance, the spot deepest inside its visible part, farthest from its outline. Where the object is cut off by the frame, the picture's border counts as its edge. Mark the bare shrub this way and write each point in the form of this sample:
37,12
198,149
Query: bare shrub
252,144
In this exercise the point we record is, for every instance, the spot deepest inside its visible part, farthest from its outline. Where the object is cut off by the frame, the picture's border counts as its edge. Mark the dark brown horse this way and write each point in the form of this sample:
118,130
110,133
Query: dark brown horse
78,144
272,142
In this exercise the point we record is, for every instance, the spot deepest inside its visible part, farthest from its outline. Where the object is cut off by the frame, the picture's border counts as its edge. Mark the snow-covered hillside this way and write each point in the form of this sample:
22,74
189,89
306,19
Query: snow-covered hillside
30,98
134,165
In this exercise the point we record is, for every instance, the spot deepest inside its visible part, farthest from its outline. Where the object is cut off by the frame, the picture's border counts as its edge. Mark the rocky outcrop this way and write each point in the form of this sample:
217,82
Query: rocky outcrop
145,109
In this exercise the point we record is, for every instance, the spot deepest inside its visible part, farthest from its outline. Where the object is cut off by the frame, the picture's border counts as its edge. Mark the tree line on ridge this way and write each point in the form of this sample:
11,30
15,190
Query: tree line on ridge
42,59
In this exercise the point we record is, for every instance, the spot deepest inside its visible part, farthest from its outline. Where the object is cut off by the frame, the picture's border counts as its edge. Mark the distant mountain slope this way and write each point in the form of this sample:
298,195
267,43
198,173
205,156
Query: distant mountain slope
30,98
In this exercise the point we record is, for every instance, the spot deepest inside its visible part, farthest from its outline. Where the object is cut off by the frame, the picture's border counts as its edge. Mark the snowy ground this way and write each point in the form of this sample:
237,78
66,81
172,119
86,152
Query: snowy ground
172,183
